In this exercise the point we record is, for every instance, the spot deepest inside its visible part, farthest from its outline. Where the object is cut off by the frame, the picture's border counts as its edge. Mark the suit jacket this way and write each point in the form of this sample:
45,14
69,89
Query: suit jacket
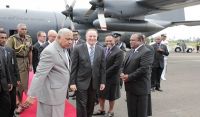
12,65
82,72
80,41
50,82
114,61
5,78
41,48
137,66
36,55
159,56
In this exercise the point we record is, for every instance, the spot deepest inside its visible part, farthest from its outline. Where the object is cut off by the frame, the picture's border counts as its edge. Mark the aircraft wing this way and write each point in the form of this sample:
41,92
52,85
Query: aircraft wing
187,23
167,4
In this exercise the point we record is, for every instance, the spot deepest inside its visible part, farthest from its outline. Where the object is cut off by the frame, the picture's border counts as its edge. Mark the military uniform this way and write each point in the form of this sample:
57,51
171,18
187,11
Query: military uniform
22,47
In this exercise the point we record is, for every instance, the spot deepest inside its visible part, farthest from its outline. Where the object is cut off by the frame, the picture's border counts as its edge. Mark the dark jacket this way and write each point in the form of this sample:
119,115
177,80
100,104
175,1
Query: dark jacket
12,65
158,56
5,78
137,65
82,73
114,61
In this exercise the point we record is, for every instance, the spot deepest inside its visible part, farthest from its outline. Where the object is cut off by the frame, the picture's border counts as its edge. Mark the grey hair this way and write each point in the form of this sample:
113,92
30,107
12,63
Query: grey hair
63,31
52,31
20,25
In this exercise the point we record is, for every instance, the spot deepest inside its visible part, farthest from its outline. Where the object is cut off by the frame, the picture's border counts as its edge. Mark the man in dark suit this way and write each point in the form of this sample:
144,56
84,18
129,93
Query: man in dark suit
158,64
114,58
41,36
14,71
77,41
52,34
149,110
5,81
77,38
88,73
135,74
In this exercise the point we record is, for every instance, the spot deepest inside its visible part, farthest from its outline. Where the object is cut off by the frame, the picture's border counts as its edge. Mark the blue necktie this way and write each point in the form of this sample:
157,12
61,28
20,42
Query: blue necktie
91,54
107,52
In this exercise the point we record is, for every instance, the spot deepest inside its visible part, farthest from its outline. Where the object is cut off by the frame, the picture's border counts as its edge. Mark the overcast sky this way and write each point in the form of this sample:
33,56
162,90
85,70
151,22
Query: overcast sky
59,5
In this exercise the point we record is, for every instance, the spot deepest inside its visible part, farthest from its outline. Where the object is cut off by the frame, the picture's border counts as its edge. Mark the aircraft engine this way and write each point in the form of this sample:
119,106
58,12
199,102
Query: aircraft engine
129,25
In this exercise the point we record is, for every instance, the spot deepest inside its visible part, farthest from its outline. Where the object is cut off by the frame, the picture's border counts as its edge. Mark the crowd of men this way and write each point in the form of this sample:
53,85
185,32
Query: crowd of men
92,71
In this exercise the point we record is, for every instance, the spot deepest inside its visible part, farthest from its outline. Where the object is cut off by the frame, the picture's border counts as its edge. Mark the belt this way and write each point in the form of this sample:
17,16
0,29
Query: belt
18,56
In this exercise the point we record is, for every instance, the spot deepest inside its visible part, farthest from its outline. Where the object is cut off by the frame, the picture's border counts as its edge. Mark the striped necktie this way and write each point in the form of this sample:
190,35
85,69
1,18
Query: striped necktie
91,54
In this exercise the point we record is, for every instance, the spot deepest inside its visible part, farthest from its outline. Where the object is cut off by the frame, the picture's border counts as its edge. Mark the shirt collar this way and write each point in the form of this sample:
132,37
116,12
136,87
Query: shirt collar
138,47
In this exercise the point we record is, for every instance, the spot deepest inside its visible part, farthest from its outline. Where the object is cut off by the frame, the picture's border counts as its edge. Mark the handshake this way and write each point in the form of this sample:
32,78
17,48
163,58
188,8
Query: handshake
124,77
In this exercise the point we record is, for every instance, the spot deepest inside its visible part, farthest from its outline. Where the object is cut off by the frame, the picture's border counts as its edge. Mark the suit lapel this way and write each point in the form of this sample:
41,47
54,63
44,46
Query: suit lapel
134,55
110,52
62,54
85,51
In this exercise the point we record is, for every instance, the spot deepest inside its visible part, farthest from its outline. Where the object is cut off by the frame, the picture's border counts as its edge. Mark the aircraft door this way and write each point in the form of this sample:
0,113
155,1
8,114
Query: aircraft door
12,32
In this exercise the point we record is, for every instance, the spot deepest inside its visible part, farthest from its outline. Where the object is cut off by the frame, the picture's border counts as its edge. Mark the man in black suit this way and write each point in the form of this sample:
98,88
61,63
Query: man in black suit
114,58
5,81
149,110
158,64
52,34
77,41
41,36
88,73
14,71
135,74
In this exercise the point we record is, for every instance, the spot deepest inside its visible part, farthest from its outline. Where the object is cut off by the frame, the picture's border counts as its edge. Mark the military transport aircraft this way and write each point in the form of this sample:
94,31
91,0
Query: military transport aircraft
147,16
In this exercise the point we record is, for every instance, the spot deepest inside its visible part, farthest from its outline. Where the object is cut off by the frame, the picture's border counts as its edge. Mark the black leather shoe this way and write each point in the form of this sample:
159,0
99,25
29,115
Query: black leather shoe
158,89
99,112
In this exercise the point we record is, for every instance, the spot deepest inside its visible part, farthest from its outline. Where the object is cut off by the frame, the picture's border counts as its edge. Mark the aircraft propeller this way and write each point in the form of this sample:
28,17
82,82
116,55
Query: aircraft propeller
98,5
69,13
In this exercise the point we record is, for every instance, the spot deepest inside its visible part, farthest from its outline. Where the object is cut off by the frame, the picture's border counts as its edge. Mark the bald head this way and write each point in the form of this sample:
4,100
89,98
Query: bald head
158,39
52,34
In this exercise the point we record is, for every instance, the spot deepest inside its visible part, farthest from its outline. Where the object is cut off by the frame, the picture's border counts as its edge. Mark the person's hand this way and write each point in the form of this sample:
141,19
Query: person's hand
160,50
124,77
30,67
73,87
102,87
18,83
29,101
10,87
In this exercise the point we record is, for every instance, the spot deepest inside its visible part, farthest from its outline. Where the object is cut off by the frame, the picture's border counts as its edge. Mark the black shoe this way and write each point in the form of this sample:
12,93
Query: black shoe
158,89
99,112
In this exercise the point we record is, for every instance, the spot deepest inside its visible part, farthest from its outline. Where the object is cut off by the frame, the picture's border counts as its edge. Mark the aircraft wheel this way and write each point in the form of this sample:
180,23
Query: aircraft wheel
177,49
189,50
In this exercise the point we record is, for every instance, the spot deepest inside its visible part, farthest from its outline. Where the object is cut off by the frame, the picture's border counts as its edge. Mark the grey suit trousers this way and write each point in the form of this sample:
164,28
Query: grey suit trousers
44,110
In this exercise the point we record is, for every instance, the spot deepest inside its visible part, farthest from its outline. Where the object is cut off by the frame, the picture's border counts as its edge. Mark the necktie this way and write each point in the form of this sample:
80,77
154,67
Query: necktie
107,52
5,52
91,54
67,56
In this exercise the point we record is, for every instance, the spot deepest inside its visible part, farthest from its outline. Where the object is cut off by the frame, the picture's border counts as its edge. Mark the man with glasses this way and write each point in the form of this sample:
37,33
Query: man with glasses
41,37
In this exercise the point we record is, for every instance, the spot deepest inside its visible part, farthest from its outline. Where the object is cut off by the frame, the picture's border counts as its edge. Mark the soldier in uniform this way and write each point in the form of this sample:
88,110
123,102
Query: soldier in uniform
21,43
